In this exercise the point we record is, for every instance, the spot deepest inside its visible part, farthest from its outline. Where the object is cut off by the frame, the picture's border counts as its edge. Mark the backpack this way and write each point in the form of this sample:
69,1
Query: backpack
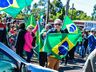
34,40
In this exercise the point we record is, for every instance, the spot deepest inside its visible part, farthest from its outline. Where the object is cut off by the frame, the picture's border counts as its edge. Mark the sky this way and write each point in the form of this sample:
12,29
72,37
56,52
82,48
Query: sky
84,5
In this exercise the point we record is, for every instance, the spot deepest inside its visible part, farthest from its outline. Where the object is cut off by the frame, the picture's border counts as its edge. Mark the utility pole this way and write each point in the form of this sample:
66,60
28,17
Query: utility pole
72,10
47,14
67,7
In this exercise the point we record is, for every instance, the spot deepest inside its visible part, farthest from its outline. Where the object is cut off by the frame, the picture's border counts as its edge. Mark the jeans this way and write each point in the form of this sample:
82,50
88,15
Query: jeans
29,55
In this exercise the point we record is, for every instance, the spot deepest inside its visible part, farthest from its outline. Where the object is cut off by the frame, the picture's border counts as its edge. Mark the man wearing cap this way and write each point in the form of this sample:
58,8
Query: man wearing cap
53,62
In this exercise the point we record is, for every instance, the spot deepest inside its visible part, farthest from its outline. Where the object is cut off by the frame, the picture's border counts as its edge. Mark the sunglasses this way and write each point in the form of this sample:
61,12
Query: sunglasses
58,24
30,28
14,30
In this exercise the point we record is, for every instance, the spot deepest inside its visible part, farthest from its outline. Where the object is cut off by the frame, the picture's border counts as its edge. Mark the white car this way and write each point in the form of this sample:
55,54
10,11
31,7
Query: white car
90,64
11,62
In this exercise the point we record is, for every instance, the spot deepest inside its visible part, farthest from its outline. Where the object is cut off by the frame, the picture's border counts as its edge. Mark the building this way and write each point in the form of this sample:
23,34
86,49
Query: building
87,25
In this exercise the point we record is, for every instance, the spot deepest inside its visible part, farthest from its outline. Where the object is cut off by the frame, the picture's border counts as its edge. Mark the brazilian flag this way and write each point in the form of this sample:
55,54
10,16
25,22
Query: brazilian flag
69,24
41,30
58,44
71,27
31,21
13,7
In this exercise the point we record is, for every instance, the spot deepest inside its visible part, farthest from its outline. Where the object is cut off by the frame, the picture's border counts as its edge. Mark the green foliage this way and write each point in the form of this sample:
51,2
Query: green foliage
36,10
57,10
78,15
94,13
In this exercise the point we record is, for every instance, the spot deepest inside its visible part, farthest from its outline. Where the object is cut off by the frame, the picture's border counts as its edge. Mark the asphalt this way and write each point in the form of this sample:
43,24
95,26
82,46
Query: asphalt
72,66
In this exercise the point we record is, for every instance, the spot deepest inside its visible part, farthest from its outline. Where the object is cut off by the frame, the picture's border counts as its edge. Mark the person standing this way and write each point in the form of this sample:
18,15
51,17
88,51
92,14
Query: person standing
44,31
91,40
12,34
20,39
53,62
29,41
85,43
3,33
43,55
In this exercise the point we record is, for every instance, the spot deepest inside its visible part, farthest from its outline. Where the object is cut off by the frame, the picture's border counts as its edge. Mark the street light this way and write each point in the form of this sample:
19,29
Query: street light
72,10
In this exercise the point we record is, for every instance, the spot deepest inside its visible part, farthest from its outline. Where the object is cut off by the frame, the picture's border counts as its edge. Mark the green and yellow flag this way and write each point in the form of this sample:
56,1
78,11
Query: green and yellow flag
13,7
31,21
71,27
69,24
58,44
41,30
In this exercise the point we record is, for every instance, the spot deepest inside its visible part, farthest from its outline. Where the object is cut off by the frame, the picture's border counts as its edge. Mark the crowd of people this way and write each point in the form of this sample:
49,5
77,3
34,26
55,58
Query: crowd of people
21,39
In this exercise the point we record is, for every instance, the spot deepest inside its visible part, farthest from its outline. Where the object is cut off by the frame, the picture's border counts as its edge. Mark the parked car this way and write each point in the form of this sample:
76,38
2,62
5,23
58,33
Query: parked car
90,64
11,62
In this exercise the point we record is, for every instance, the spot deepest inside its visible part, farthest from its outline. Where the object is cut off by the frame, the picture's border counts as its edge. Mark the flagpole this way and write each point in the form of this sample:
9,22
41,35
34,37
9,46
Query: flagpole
47,14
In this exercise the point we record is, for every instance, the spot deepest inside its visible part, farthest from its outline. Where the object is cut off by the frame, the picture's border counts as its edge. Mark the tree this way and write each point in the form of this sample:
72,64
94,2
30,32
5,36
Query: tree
37,8
94,13
78,15
57,10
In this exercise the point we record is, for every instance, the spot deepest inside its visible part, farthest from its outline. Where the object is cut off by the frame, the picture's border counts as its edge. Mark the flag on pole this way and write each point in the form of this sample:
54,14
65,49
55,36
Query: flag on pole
68,23
71,27
41,23
31,21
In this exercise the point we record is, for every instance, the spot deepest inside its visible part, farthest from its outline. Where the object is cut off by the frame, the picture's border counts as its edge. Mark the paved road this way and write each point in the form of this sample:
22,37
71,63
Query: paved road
75,66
